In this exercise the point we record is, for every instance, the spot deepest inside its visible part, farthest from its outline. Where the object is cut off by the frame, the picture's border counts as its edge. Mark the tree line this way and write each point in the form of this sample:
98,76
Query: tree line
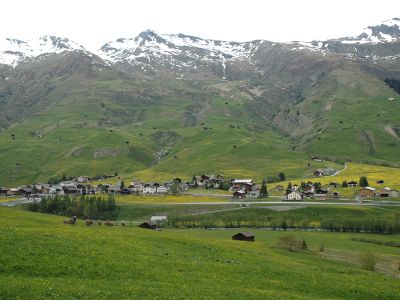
84,207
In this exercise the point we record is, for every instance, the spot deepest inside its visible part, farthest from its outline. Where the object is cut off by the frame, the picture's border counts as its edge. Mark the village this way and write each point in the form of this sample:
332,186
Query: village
239,189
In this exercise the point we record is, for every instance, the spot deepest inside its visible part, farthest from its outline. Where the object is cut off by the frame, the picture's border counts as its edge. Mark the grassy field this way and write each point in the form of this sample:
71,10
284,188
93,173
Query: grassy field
42,258
6,199
141,199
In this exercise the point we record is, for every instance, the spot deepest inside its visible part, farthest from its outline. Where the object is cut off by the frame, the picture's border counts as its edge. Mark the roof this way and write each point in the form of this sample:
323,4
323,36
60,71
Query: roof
243,181
368,188
246,234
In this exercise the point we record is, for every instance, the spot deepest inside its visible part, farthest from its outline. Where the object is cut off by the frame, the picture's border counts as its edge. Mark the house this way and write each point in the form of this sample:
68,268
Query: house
158,218
335,195
114,189
318,173
12,192
279,188
24,191
136,187
244,236
295,187
309,188
242,184
352,183
254,193
148,225
126,191
366,192
162,189
82,179
380,181
3,191
388,193
308,194
67,183
239,194
333,185
295,195
149,189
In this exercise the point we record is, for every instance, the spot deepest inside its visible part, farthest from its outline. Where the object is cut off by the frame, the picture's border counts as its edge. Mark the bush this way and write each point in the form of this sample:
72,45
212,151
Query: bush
368,261
290,243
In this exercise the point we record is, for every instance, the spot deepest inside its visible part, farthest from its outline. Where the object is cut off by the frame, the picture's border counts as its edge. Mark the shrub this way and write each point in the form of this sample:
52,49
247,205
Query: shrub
322,247
290,243
368,261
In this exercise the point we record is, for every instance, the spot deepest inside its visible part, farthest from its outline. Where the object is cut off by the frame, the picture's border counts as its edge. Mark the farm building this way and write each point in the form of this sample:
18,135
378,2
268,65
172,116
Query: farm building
333,184
336,195
148,225
352,183
294,196
389,193
244,236
366,192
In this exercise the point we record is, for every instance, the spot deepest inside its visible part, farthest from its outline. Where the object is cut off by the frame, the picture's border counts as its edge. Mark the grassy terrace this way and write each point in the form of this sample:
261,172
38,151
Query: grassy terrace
42,258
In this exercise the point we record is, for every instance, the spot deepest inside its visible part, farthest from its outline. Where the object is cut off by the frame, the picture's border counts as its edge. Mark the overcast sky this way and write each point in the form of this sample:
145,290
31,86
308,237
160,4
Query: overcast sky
92,23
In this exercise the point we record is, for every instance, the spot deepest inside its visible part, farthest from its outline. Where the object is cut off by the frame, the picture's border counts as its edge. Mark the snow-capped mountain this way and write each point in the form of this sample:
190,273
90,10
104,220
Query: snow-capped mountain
388,31
174,50
13,51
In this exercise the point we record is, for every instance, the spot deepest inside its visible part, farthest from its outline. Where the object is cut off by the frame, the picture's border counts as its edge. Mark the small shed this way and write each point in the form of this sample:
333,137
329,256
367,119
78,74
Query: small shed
148,225
244,236
366,192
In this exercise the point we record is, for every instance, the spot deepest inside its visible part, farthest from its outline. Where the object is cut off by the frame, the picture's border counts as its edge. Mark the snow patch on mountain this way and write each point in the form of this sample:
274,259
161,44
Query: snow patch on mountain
13,51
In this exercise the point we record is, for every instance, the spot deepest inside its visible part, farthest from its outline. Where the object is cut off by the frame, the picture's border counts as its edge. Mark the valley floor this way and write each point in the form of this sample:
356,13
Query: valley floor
42,258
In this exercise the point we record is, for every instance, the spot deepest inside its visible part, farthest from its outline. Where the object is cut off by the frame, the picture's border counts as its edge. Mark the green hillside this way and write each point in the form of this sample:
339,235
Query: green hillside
42,258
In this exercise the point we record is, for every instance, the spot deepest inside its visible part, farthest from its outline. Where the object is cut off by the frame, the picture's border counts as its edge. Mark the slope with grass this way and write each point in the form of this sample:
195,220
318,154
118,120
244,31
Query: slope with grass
42,258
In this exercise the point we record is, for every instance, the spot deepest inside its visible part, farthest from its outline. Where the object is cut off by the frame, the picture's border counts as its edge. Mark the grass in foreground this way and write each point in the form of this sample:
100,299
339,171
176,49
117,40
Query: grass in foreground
42,258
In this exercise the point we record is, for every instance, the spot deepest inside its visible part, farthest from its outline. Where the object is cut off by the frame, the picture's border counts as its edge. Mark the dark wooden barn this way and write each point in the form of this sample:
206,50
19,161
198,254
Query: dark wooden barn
244,236
148,225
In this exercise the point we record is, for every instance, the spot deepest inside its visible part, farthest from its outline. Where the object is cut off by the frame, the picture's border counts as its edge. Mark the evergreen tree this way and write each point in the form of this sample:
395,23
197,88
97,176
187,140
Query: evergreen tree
345,184
263,190
363,181
122,185
282,176
174,189
289,187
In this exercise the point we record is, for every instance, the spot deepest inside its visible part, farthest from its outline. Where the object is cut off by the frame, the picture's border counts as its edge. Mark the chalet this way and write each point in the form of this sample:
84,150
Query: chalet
333,185
148,225
279,188
380,181
321,192
12,192
366,192
295,195
388,193
295,187
239,194
242,184
136,187
24,191
335,195
244,236
352,183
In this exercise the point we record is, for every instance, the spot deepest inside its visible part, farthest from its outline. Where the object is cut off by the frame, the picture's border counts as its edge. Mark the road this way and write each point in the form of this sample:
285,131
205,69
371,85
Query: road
272,203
